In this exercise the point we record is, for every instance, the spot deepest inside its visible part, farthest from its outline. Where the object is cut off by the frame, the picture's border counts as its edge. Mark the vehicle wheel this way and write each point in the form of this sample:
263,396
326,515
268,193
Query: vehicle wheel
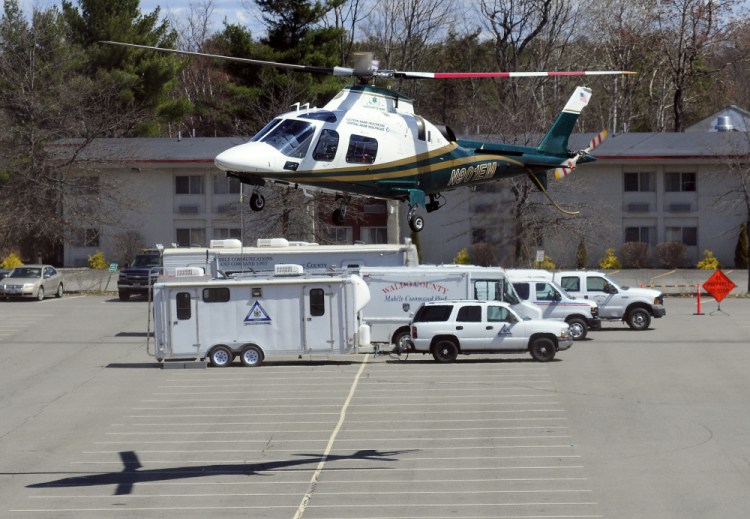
60,291
220,357
416,223
124,296
251,356
542,349
257,202
338,217
639,319
402,342
40,294
445,350
578,328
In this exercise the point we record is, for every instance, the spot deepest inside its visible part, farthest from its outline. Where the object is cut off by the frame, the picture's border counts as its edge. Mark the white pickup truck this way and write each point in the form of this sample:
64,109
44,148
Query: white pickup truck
449,328
635,306
581,314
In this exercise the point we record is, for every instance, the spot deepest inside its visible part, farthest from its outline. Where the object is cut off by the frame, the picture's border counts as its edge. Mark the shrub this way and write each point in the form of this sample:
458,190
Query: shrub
610,261
462,257
11,261
97,261
709,261
635,254
741,255
671,254
483,254
582,257
546,264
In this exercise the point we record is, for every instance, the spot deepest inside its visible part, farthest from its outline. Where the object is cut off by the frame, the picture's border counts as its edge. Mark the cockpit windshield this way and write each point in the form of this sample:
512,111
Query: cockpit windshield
267,128
291,137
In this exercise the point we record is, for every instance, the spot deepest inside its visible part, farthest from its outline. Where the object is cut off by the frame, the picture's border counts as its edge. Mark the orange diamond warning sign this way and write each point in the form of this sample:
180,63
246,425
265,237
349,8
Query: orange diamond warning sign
718,286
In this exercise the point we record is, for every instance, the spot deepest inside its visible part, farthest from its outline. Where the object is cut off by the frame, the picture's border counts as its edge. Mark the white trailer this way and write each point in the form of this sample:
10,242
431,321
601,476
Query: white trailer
230,257
258,317
398,292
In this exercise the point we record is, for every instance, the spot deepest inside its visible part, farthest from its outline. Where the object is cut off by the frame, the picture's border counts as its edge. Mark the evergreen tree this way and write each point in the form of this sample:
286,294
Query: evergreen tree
141,79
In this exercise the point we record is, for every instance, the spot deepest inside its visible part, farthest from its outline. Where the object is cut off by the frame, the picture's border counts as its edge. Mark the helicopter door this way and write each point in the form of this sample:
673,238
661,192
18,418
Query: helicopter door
328,145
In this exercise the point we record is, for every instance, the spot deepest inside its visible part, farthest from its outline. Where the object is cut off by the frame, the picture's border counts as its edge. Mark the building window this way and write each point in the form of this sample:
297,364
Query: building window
679,182
337,235
642,181
643,234
189,184
686,235
194,237
373,234
85,238
226,185
225,233
87,185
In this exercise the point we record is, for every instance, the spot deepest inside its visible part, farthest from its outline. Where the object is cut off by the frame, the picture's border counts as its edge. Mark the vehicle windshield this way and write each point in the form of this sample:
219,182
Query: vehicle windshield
267,128
26,272
609,280
146,261
509,294
291,137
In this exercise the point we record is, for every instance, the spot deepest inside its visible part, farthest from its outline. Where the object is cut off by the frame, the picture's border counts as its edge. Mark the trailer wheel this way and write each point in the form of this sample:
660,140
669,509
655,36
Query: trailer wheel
251,356
220,357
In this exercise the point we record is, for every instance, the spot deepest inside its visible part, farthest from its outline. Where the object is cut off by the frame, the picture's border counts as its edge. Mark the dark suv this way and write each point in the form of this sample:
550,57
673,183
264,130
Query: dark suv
141,275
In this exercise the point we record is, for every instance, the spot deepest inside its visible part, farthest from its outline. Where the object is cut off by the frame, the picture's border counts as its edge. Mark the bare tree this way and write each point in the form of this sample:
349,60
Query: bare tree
689,31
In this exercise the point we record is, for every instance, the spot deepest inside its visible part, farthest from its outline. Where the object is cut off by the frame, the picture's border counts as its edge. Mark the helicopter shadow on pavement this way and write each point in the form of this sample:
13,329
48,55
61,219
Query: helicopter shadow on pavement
132,474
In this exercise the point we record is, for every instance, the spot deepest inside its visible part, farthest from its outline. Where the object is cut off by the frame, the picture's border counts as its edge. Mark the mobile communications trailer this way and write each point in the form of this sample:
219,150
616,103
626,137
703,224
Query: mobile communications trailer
230,257
398,292
258,317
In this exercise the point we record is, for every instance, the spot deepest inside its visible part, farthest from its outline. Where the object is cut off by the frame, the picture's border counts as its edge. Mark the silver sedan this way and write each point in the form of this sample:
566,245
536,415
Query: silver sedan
32,281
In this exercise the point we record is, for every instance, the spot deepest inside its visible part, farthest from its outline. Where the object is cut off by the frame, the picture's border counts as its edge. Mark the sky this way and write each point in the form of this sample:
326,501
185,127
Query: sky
234,11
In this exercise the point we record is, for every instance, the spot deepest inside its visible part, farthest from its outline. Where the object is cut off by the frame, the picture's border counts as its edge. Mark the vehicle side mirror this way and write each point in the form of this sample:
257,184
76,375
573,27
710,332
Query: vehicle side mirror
609,289
558,297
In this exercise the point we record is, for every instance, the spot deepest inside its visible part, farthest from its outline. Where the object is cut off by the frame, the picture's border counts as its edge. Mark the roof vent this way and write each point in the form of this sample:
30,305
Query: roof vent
724,124
288,269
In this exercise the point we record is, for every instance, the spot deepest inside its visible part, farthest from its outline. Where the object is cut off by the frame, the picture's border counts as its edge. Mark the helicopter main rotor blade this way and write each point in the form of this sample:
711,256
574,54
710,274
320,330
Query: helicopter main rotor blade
331,71
365,68
463,75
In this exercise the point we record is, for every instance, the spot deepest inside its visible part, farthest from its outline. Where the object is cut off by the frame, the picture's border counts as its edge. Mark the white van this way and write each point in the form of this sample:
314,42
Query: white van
581,314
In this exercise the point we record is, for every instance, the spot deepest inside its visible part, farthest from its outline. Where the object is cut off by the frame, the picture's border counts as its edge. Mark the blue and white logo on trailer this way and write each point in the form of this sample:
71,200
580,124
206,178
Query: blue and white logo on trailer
257,315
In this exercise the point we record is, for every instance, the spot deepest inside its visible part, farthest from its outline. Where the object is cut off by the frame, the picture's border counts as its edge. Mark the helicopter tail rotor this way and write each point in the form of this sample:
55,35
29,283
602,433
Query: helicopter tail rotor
567,167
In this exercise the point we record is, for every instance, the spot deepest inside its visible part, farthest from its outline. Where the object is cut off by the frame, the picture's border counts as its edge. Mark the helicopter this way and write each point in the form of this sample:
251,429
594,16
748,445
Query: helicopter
368,141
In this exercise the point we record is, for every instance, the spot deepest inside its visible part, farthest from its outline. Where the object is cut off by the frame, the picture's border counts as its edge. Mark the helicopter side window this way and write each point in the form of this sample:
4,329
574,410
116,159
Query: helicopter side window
327,146
258,136
291,137
362,150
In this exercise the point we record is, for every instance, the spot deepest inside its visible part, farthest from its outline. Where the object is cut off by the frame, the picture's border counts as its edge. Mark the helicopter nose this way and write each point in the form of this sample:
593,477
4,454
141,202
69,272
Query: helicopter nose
232,159
251,157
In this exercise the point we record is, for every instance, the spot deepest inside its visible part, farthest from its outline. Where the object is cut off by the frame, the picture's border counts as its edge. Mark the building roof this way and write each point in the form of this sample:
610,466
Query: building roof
731,118
196,150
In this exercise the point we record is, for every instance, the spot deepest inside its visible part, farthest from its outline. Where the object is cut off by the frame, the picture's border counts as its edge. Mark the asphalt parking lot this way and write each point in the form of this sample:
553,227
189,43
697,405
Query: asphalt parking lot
626,424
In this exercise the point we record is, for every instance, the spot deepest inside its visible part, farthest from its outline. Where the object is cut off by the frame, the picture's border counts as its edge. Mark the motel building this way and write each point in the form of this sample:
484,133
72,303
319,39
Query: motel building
648,187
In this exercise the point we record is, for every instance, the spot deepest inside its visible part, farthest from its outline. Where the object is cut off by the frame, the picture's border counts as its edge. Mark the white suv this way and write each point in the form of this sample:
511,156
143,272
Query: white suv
447,328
